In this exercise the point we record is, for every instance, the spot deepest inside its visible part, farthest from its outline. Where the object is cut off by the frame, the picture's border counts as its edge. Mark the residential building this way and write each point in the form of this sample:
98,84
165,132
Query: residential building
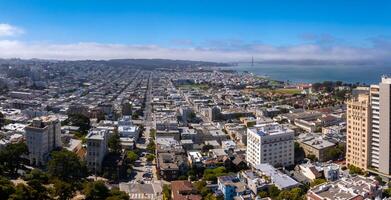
279,179
184,190
127,129
96,149
231,187
315,144
357,187
358,131
270,143
380,148
42,136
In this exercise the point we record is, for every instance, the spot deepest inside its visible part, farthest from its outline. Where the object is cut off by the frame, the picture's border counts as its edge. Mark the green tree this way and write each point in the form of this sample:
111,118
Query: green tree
37,174
166,192
11,157
212,174
96,190
22,192
151,147
317,181
152,133
132,156
114,143
116,194
273,191
199,184
297,194
263,194
387,192
150,157
66,166
38,191
80,121
355,170
6,188
312,157
63,190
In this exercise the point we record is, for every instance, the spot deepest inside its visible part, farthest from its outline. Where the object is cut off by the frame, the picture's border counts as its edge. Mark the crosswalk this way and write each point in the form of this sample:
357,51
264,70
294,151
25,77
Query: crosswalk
135,196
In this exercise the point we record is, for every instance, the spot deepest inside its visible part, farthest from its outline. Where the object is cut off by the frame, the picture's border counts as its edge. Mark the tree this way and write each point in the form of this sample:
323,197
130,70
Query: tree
38,191
114,144
387,192
206,148
132,156
334,153
116,194
2,119
293,194
96,191
11,157
80,121
263,194
316,86
317,181
312,157
166,192
37,174
22,192
66,166
150,157
355,170
212,174
152,133
273,191
6,188
151,147
299,152
63,190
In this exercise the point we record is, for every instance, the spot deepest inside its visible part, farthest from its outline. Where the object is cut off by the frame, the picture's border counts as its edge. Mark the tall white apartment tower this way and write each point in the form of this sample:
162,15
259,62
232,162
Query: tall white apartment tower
42,136
270,143
380,144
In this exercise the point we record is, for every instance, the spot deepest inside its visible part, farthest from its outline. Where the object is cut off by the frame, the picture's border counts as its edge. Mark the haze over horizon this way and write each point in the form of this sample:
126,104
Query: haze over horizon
223,31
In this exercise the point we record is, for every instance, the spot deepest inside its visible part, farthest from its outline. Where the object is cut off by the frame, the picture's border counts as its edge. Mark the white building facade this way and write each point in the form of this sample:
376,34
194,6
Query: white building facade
270,143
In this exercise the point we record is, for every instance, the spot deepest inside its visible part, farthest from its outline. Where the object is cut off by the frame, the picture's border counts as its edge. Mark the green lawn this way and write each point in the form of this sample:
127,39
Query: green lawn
279,91
195,86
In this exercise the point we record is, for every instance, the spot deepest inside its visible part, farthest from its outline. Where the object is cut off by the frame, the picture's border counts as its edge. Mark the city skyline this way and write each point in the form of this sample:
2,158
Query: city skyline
230,31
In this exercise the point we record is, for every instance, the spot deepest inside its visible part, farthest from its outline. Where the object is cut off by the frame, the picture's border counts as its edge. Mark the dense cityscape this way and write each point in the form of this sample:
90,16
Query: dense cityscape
195,100
122,130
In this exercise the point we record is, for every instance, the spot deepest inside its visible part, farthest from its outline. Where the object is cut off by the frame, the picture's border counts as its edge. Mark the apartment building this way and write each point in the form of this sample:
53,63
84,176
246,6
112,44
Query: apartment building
358,131
96,148
380,147
270,143
42,136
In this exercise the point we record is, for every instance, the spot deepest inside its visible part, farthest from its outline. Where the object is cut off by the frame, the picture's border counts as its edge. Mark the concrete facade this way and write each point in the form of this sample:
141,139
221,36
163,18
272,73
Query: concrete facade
358,131
270,143
43,136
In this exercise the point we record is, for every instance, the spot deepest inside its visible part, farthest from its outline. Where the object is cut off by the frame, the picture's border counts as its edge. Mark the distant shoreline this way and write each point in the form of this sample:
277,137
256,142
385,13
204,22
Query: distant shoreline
315,73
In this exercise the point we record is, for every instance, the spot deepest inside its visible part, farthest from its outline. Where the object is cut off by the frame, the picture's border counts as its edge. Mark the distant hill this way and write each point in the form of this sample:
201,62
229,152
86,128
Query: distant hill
144,63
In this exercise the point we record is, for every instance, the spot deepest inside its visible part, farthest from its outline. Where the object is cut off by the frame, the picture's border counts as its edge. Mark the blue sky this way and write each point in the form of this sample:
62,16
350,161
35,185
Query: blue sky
206,30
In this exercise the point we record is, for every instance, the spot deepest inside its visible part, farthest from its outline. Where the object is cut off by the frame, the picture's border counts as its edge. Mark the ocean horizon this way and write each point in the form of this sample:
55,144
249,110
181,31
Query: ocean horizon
316,73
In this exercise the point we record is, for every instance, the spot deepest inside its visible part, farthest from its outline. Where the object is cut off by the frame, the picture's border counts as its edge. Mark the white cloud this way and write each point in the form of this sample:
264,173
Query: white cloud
9,30
76,51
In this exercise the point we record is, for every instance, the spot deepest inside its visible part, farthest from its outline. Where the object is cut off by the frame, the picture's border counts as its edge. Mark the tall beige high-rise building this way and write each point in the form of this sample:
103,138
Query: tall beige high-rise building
358,131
